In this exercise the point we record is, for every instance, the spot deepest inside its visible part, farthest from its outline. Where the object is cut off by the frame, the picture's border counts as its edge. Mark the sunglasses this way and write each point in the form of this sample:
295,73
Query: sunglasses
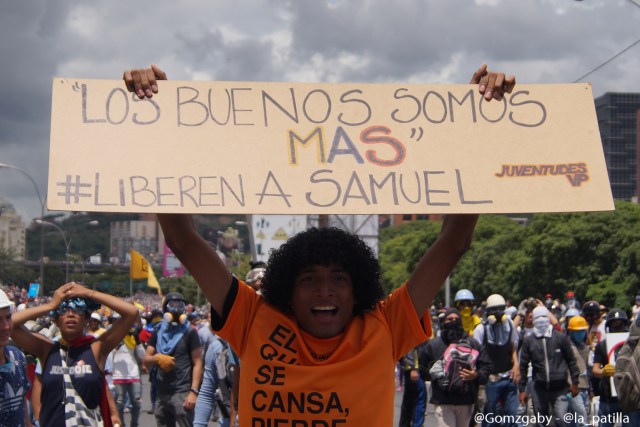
65,310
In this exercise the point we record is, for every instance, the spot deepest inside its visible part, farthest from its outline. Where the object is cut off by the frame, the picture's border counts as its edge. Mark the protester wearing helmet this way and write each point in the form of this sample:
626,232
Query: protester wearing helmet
591,312
175,349
464,303
577,328
500,340
617,321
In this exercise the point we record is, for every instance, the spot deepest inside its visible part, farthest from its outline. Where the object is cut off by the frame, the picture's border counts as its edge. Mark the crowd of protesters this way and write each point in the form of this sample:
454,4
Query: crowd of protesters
551,362
542,358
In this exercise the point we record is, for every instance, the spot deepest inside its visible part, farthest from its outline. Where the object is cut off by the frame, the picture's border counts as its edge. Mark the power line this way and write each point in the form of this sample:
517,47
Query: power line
610,59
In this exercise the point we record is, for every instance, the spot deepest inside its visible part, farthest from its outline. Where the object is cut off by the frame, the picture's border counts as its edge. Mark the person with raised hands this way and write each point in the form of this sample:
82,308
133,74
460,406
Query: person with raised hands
74,389
320,345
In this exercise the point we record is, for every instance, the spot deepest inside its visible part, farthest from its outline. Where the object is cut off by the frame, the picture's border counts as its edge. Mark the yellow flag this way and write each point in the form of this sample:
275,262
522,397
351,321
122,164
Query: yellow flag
152,282
140,269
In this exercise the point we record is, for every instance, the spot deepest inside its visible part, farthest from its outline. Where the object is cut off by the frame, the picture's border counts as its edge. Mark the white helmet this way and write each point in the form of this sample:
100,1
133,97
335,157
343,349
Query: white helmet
5,301
495,300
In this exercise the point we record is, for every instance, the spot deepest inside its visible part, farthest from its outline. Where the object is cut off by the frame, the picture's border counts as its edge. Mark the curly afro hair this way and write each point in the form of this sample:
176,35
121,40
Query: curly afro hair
325,246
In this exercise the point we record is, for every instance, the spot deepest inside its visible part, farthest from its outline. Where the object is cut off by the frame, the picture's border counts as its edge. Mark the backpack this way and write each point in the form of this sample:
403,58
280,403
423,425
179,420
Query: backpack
446,371
627,376
225,363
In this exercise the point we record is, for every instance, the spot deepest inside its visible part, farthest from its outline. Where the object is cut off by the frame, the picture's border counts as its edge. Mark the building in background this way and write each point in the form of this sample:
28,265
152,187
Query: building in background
12,231
142,236
618,121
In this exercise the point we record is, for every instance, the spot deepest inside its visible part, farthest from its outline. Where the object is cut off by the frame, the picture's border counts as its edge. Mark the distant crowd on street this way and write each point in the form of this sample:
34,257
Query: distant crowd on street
546,361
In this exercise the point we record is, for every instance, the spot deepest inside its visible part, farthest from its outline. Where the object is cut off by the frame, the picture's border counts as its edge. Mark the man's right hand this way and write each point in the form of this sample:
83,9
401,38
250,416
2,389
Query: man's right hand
523,397
142,81
165,362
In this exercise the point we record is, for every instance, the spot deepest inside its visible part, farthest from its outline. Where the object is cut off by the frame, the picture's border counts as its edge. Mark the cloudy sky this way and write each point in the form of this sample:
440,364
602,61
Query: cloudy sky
413,41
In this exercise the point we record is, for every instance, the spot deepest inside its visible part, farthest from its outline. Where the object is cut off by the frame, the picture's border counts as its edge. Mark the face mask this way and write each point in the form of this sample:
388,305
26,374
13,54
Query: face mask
541,325
452,331
578,336
466,311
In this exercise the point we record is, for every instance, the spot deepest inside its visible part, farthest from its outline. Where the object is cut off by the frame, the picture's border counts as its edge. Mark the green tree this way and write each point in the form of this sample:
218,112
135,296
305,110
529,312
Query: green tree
594,254
11,271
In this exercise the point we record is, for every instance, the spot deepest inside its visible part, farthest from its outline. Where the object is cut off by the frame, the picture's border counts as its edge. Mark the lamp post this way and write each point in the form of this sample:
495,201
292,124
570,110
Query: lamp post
41,200
66,244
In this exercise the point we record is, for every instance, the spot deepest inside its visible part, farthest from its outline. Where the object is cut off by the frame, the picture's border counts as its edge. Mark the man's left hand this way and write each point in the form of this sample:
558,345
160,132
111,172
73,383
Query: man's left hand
573,389
515,374
491,84
190,401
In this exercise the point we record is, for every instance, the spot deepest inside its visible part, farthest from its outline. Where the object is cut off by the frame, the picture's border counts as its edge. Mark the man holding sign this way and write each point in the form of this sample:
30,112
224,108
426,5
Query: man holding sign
320,345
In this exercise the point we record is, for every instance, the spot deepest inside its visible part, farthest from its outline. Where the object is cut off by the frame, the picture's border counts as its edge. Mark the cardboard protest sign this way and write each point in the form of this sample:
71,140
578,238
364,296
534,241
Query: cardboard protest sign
285,148
615,341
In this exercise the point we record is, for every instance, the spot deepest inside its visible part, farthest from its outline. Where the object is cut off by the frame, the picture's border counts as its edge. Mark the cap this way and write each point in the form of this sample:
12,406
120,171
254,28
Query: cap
570,294
572,312
5,301
96,316
591,307
255,275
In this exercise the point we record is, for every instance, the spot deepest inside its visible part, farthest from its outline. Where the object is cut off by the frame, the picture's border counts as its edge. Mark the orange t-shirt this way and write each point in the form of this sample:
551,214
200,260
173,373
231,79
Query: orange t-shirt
283,385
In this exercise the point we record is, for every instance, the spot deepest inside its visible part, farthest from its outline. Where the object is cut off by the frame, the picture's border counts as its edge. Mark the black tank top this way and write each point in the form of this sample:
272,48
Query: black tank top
86,378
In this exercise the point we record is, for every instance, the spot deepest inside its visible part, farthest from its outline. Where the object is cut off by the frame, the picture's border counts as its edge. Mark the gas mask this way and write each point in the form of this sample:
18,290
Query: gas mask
495,315
175,312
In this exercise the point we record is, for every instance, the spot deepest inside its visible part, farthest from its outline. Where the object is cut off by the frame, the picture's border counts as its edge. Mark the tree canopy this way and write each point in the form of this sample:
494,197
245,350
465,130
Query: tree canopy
593,254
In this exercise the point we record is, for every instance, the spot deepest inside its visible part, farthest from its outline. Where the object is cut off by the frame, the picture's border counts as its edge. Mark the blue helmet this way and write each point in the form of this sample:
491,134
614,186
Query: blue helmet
572,312
464,295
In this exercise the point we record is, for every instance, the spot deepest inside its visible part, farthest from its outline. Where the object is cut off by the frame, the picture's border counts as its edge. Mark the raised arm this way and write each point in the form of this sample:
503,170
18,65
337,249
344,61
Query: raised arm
195,253
116,333
457,230
436,264
34,342
198,256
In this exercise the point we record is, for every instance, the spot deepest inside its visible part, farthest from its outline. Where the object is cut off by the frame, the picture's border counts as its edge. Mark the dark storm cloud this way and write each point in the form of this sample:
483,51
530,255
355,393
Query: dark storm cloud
430,41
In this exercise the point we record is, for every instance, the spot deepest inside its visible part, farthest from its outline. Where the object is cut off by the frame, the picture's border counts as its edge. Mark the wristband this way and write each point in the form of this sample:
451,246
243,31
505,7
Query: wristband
195,391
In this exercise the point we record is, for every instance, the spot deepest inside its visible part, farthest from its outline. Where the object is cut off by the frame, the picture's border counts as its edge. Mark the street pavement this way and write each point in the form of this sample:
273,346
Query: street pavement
149,420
